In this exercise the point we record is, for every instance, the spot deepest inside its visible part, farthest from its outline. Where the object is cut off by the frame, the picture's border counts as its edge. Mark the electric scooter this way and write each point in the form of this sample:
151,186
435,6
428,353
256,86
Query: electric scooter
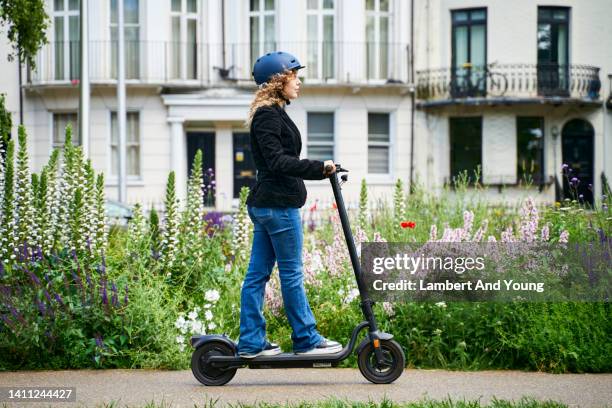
380,358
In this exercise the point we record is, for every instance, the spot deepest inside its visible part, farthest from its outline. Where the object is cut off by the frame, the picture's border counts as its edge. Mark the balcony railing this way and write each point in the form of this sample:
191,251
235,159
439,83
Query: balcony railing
509,81
200,65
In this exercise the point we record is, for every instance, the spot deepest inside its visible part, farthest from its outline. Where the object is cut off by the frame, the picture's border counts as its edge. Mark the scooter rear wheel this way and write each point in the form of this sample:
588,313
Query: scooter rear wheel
388,372
206,373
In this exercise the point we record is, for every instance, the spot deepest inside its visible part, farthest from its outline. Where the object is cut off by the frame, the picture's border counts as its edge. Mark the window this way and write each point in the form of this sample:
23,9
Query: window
320,136
60,121
469,52
530,149
377,38
184,47
263,28
378,143
132,144
466,146
553,40
320,31
131,21
67,35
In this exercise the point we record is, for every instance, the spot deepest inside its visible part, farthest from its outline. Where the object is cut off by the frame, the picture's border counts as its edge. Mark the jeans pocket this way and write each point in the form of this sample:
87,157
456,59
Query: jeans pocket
262,214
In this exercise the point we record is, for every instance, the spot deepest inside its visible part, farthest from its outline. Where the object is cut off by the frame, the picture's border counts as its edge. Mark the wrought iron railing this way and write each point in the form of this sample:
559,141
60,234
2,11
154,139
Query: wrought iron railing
509,80
197,64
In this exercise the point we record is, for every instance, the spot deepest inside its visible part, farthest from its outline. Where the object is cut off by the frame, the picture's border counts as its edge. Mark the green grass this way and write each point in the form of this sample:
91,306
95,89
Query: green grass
343,403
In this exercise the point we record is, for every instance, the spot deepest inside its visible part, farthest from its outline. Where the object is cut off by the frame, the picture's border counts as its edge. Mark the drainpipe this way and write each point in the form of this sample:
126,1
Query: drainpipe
223,32
412,95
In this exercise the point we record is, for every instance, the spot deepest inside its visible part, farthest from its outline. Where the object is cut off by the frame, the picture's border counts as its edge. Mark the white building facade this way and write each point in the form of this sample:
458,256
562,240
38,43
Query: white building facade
188,65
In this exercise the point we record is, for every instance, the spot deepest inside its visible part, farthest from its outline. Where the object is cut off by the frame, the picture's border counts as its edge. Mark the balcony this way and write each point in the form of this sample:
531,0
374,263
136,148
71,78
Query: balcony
496,84
197,65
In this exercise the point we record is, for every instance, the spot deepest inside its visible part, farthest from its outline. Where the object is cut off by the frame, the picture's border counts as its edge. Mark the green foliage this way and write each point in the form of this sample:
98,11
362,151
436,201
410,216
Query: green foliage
27,25
8,234
242,228
169,243
154,231
363,205
6,123
24,210
95,324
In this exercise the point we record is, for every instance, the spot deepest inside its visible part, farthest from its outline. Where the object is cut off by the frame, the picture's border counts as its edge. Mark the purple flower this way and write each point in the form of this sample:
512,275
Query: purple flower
574,180
59,299
581,196
114,298
99,341
88,280
41,307
78,280
103,293
33,277
16,314
47,295
8,322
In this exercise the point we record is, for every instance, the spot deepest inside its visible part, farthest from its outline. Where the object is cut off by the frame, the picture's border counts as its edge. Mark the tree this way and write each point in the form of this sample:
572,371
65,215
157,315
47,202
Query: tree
28,24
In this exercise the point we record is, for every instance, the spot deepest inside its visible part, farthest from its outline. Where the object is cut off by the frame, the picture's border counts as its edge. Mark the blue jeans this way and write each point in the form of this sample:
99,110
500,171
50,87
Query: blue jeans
277,238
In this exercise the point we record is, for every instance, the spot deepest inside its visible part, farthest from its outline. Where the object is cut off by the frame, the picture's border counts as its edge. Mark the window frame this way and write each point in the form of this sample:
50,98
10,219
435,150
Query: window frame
377,14
542,173
65,14
469,23
563,69
320,13
52,121
261,15
184,17
113,44
450,150
389,144
113,179
318,143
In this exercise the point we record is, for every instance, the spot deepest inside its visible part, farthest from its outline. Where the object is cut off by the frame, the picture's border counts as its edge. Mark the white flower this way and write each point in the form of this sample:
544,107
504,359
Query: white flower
207,306
181,347
180,339
180,322
196,326
437,332
441,304
352,295
193,315
212,326
208,315
212,295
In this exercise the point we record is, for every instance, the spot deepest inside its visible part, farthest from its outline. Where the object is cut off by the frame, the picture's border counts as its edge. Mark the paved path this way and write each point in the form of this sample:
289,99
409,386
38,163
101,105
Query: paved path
181,389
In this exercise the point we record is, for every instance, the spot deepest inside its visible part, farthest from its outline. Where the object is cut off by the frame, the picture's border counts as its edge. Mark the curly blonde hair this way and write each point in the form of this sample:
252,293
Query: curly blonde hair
270,93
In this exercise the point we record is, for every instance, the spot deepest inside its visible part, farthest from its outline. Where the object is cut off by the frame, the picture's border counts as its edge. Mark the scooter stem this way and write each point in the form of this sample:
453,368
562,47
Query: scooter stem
366,302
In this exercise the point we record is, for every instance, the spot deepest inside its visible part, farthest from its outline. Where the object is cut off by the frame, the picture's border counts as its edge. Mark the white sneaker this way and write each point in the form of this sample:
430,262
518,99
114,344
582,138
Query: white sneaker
326,346
271,349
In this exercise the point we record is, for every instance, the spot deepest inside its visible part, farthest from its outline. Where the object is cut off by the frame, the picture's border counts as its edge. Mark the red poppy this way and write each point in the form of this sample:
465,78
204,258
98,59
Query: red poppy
313,207
334,205
408,224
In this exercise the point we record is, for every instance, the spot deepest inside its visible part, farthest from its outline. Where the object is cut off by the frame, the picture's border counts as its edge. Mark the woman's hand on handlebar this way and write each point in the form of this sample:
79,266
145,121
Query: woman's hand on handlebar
329,168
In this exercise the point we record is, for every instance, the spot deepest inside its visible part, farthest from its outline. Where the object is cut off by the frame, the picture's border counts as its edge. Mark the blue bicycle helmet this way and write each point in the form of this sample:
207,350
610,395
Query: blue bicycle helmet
274,63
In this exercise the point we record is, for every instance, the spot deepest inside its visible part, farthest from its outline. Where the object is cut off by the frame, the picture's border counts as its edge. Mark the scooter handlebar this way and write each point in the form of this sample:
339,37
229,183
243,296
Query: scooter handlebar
339,169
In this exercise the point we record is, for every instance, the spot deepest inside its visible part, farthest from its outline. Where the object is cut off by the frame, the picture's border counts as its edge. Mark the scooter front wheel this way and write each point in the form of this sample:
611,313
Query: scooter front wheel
392,367
205,372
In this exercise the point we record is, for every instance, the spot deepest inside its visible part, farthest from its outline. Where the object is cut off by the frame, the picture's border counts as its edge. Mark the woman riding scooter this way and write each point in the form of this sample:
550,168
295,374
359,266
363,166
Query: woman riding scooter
273,206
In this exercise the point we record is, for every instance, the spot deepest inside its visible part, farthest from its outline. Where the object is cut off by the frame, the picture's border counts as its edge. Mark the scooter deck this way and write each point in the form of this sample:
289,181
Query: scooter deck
283,360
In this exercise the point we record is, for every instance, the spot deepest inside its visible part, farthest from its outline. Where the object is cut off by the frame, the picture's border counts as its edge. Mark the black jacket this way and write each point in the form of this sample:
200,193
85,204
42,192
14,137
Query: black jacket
276,144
